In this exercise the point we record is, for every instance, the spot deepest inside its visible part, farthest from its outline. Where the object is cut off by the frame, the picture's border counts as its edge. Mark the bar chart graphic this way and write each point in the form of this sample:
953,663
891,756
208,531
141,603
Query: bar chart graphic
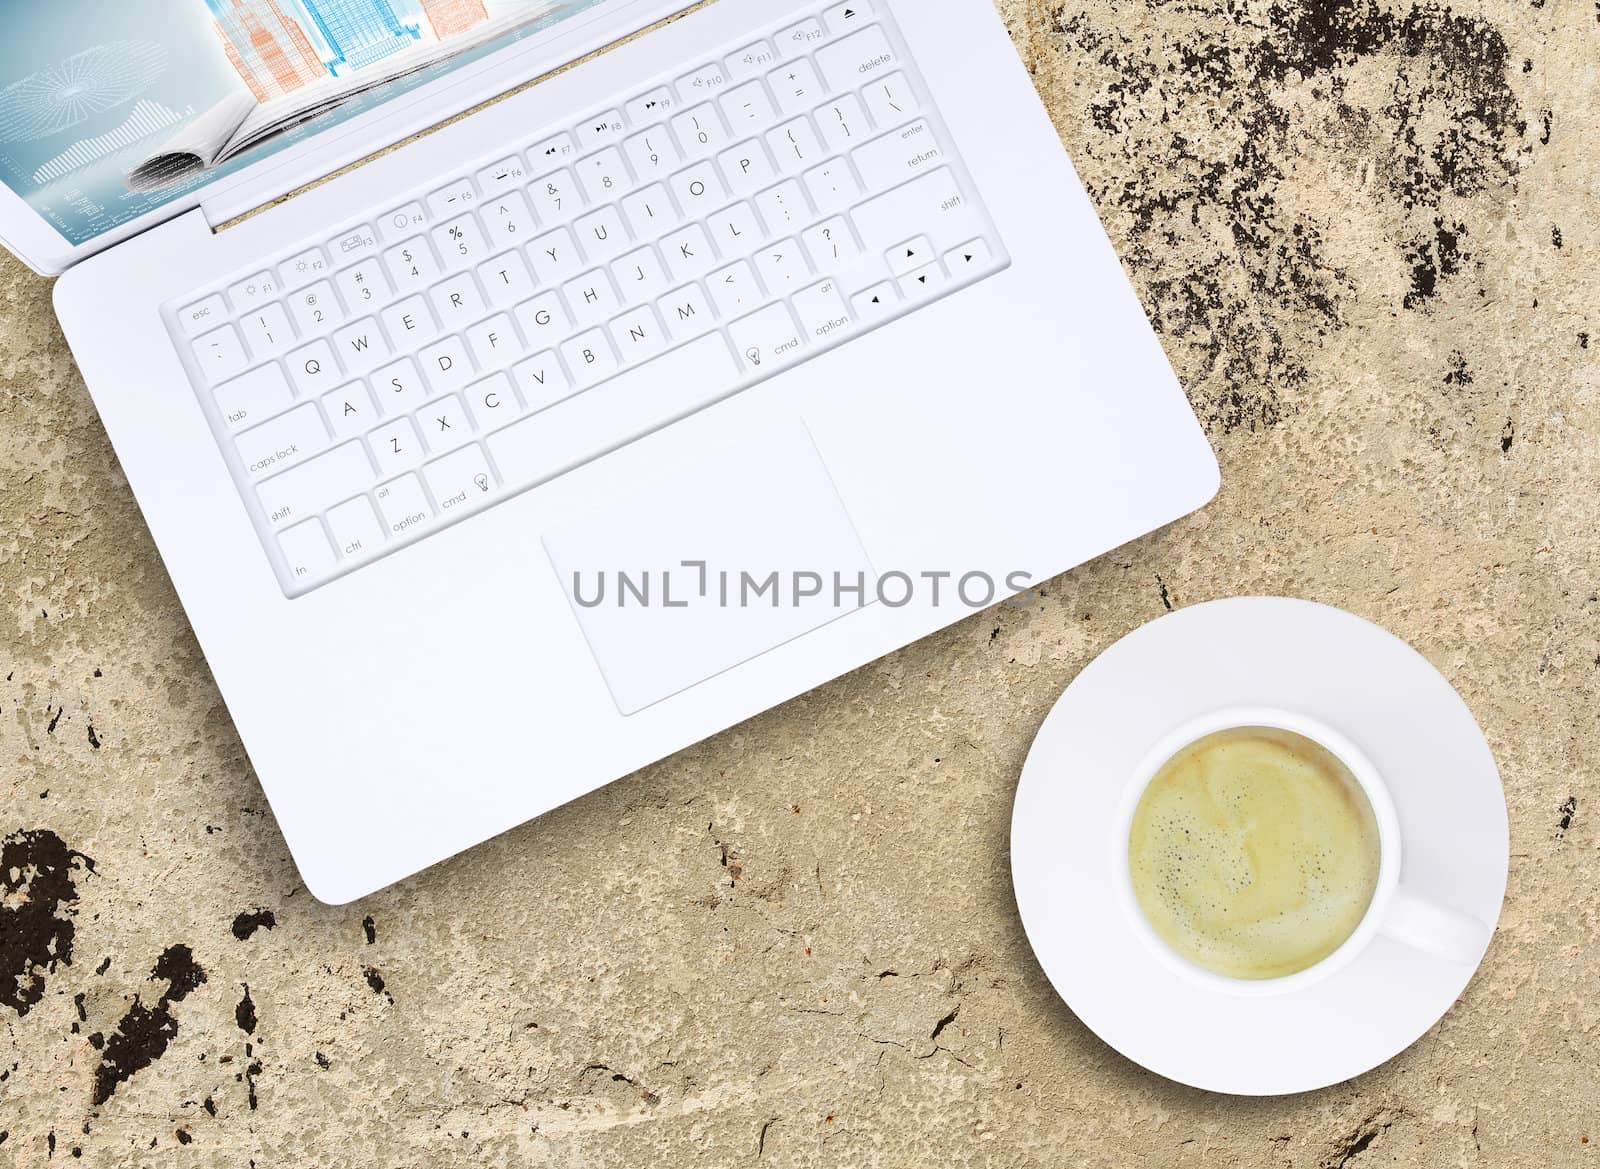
148,118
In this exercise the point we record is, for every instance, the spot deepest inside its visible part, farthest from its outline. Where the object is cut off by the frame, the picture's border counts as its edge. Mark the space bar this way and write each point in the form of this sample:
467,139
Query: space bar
615,413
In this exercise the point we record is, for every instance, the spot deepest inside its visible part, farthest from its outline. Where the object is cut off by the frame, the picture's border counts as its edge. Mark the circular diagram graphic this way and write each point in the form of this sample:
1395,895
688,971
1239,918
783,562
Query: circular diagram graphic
85,84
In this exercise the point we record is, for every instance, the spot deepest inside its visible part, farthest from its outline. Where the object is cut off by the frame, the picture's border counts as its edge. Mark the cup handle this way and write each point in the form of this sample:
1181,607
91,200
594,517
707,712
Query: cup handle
1434,929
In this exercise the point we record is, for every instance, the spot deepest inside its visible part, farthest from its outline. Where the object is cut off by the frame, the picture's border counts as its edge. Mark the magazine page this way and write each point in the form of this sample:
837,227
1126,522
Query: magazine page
108,111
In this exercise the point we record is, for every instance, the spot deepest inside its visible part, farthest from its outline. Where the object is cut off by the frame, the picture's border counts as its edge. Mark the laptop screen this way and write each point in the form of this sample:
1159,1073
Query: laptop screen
109,110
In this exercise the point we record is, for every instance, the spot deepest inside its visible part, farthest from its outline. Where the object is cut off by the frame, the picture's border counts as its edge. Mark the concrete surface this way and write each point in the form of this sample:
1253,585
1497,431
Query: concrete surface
1368,233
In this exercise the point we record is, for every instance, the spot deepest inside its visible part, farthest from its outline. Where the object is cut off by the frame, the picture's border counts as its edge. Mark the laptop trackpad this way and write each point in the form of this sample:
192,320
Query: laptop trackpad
710,568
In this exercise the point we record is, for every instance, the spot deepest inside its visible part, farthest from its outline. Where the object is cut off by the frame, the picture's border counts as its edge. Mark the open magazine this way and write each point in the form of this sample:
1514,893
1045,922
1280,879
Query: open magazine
242,120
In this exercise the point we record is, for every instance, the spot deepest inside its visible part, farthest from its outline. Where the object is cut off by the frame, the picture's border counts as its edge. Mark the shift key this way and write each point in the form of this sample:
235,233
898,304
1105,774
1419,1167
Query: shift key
316,485
922,206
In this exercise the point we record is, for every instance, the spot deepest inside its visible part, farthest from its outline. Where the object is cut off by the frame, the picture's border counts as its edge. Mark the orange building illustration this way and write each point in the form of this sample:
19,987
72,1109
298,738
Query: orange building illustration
269,50
452,17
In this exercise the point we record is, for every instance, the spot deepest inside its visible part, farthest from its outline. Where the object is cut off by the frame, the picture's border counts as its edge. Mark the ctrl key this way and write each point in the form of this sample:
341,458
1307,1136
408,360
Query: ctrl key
404,505
307,551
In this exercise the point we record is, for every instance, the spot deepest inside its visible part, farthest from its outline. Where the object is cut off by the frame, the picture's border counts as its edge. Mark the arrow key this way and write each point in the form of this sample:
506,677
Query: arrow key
923,281
876,302
910,256
971,257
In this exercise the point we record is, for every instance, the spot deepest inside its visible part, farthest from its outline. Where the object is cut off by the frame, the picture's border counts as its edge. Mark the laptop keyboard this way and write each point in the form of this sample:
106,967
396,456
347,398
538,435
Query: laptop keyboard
758,206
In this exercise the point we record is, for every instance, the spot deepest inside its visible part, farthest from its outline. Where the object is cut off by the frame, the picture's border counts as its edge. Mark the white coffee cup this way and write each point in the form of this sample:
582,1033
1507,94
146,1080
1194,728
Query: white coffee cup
1395,912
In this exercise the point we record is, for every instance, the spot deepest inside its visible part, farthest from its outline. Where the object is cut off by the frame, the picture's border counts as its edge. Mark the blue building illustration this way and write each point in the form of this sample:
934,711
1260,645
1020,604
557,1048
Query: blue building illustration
359,32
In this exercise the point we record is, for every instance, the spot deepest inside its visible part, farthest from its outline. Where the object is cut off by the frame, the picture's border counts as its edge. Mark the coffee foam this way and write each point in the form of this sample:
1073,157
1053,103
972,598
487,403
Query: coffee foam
1254,853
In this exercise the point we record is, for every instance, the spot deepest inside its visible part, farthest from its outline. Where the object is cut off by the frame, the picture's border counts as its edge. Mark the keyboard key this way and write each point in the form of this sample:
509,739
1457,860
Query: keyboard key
457,301
411,265
543,320
637,335
396,446
604,175
602,128
555,256
688,253
653,154
267,330
461,240
257,290
591,299
747,108
857,59
706,80
700,131
315,309
782,267
602,235
766,337
507,280
221,354
831,245
635,403
403,222
452,200
313,369
650,212
589,357
399,387
446,365
832,186
891,100
841,18
898,156
280,444
822,311
362,345
304,268
750,61
734,289
493,343
493,402
505,175
541,381
363,284
795,145
930,200
255,397
410,323
461,480
648,107
640,275
507,220
698,189
784,207
202,315
349,411
843,124
746,167
404,506
355,528
801,39
444,424
797,87
306,551
315,484
687,313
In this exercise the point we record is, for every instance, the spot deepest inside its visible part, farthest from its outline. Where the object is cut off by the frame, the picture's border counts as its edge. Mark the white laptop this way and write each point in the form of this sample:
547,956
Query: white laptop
516,458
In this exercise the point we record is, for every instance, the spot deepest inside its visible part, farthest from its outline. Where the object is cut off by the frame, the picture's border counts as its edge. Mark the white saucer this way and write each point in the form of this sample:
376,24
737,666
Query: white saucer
1253,651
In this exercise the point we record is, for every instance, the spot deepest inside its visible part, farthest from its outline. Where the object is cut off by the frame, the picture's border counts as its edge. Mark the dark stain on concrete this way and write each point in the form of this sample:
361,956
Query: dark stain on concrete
246,924
38,896
144,1033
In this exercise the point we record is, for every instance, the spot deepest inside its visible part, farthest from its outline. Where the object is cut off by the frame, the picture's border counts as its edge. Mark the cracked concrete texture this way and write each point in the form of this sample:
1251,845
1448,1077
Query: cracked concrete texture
1367,233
